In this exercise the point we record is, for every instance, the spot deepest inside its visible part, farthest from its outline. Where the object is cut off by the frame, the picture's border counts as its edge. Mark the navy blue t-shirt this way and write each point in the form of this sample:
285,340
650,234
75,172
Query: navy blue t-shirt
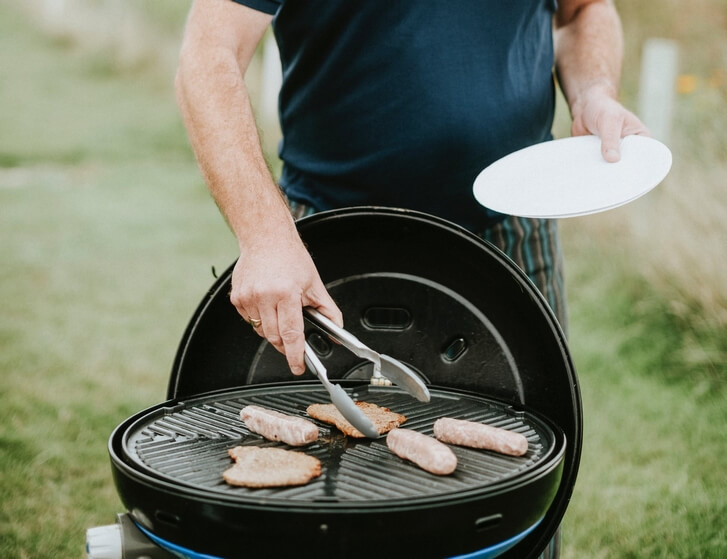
402,103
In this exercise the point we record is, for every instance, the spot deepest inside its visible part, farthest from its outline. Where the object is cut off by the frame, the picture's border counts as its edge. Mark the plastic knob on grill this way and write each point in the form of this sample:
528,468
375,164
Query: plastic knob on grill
104,542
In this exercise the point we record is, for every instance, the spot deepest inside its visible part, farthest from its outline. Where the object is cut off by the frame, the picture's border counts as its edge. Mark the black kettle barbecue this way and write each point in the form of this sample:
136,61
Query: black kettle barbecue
448,305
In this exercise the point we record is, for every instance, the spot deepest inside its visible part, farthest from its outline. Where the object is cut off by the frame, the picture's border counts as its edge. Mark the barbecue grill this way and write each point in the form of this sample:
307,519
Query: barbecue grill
457,312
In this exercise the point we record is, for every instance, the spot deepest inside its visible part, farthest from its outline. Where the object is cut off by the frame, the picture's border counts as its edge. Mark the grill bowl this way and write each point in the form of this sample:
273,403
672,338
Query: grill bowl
168,462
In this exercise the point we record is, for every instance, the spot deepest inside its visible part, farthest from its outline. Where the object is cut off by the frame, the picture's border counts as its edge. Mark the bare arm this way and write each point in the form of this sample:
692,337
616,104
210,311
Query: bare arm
274,276
588,54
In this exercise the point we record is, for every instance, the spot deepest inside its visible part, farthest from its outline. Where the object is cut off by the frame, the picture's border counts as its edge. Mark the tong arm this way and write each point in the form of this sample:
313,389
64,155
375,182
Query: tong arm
344,337
339,398
386,369
315,365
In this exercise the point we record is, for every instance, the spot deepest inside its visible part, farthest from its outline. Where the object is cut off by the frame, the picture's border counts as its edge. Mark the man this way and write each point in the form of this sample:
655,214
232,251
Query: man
357,74
398,103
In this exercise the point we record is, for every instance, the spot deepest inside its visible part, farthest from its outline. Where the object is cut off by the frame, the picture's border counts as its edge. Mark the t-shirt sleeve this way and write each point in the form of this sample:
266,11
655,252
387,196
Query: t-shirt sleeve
265,6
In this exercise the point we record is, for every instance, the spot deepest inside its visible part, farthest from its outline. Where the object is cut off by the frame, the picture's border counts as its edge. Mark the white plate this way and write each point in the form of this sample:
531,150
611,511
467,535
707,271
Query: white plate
569,177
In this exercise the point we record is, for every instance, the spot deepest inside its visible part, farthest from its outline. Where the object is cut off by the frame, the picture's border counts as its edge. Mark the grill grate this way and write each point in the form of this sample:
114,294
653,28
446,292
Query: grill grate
187,444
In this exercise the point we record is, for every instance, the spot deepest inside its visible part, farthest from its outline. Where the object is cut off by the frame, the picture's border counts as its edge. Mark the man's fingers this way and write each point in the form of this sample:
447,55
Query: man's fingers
291,335
331,311
269,328
321,300
610,153
609,120
611,126
253,318
248,314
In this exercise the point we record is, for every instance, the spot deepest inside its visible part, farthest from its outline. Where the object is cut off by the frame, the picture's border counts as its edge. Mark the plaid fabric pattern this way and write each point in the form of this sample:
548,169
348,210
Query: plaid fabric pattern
534,246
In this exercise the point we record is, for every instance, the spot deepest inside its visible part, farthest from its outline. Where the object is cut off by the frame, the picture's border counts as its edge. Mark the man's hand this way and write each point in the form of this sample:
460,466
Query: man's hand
272,283
597,112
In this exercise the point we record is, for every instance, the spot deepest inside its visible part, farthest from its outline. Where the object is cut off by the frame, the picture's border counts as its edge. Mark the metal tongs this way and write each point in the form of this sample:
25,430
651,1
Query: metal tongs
387,366
339,398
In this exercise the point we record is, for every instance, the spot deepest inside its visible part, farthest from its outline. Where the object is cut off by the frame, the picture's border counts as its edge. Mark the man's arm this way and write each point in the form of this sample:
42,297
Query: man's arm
588,55
274,276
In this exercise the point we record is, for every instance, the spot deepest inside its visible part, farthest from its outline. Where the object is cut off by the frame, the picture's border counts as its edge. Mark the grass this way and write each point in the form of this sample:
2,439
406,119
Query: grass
651,482
678,232
109,240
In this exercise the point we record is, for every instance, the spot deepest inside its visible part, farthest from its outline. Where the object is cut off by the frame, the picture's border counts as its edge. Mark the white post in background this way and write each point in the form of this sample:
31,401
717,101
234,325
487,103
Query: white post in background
53,10
659,63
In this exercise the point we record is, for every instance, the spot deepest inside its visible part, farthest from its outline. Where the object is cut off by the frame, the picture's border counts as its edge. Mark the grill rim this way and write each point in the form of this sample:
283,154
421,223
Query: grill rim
552,459
209,525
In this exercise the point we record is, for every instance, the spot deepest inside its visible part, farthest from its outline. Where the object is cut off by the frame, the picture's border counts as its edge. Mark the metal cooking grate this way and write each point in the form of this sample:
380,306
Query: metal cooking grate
187,444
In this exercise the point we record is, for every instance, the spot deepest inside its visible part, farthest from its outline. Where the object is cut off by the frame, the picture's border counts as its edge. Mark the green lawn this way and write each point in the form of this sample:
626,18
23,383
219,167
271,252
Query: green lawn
109,242
109,239
652,481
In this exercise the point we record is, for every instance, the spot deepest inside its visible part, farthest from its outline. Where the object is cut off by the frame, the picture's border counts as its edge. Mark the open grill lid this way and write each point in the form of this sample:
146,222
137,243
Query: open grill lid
427,292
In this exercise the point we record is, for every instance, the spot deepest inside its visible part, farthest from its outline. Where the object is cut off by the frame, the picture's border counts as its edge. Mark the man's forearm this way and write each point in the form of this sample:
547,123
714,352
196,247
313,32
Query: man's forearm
220,123
588,49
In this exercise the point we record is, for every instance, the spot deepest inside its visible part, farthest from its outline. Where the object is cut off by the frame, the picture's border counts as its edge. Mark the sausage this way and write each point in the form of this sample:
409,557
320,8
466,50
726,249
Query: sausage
426,452
277,426
479,435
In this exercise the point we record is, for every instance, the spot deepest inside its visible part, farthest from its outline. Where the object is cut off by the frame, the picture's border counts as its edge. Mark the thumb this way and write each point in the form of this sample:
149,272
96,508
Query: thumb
328,308
611,142
322,301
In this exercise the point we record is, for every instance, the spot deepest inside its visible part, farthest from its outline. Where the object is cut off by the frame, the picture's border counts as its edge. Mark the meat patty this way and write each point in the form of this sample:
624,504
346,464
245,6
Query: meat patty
480,435
384,419
277,426
270,467
426,452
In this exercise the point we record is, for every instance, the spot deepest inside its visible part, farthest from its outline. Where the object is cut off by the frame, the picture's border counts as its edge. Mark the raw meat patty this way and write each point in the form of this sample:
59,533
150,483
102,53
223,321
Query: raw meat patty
384,419
270,467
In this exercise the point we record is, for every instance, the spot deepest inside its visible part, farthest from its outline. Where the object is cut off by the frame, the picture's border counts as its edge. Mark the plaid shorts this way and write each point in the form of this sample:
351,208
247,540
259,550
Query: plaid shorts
534,246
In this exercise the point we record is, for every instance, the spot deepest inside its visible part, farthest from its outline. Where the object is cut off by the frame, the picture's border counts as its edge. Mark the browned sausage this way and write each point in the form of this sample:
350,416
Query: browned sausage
480,435
426,452
277,426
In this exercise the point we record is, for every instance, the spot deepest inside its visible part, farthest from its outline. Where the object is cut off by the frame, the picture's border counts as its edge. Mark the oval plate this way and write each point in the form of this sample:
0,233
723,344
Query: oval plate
569,177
